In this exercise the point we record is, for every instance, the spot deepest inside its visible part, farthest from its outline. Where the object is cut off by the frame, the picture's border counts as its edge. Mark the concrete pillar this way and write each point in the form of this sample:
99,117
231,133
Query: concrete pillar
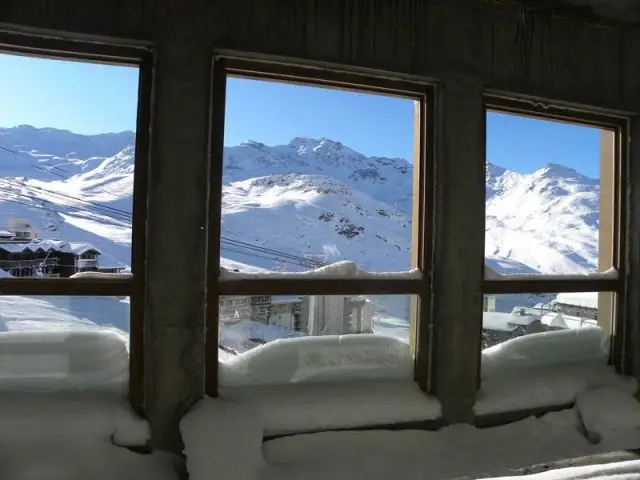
176,238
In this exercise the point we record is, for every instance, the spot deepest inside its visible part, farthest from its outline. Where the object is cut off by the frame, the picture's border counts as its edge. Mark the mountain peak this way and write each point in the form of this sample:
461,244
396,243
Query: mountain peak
555,170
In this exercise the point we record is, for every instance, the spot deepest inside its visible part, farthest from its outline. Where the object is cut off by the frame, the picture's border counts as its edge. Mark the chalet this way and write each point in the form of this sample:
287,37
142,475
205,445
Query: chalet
581,305
46,258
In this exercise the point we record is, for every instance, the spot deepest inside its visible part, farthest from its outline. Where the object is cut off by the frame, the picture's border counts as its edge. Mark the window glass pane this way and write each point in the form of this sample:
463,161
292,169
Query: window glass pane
313,176
66,166
293,339
64,343
524,331
549,197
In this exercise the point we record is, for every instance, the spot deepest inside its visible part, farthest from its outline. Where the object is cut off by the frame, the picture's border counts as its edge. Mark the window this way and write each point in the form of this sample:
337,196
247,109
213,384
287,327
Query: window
70,211
64,343
318,235
554,249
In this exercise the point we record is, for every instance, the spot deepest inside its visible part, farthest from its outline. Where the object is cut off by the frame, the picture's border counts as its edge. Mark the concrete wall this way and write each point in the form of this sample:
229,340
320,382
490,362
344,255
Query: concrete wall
466,46
496,43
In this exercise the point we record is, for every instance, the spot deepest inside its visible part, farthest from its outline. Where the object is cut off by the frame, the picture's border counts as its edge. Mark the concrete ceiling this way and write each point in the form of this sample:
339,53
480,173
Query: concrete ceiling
627,11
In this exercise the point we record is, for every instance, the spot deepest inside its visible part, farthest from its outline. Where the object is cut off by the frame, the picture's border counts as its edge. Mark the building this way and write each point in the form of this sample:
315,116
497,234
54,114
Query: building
286,311
581,305
47,258
234,309
336,315
498,327
312,315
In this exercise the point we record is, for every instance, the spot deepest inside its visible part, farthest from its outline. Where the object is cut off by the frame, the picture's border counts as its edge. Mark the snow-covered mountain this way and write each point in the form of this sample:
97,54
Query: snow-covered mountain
547,220
286,206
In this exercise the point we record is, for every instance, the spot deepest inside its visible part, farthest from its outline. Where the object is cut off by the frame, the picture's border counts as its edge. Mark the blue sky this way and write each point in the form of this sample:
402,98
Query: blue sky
92,98
82,97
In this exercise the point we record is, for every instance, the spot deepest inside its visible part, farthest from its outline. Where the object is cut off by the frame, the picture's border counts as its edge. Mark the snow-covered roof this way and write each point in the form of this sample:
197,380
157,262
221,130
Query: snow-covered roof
498,321
560,320
286,299
586,299
58,245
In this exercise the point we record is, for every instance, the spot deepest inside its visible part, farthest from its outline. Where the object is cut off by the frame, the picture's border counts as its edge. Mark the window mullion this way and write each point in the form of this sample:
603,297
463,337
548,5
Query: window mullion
458,255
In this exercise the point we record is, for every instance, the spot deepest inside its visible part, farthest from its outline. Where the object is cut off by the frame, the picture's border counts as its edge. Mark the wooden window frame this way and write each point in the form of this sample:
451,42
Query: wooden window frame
225,65
50,47
618,125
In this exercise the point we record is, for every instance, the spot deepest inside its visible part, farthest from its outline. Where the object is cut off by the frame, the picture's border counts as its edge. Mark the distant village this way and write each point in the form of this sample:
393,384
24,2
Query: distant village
310,315
315,315
24,254
566,311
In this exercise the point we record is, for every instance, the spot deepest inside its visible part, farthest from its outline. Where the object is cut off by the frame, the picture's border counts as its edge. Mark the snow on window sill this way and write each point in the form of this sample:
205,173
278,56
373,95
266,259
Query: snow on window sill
489,274
287,409
65,360
546,369
344,269
100,276
319,359
547,386
224,439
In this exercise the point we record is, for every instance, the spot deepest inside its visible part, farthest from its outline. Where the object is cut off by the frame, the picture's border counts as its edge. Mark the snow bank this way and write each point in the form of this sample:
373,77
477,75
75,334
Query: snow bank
320,359
553,348
69,436
285,409
222,440
343,269
546,386
613,471
63,360
459,450
100,275
606,412
237,335
611,274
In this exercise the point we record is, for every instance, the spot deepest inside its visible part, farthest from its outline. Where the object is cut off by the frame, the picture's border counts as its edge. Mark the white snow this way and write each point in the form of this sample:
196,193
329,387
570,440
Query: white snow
546,221
587,300
562,320
628,470
341,269
75,436
608,413
46,245
320,359
64,314
455,451
101,275
546,349
498,321
285,409
63,360
546,386
611,274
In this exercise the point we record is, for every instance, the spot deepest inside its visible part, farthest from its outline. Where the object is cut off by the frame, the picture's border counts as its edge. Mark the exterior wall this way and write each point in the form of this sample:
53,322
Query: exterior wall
281,314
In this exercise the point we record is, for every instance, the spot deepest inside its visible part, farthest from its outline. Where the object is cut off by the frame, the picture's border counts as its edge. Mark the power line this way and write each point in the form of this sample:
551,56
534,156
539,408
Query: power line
227,244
